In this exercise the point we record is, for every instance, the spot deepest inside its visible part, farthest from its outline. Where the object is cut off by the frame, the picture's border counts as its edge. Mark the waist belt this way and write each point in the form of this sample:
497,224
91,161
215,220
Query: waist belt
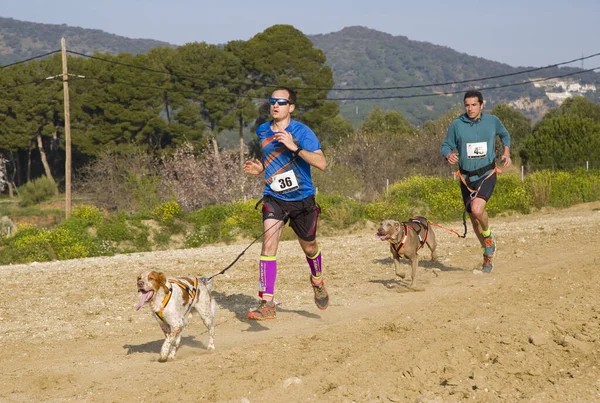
478,172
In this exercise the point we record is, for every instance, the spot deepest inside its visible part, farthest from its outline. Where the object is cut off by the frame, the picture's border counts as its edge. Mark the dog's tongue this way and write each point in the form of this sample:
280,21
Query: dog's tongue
383,237
144,298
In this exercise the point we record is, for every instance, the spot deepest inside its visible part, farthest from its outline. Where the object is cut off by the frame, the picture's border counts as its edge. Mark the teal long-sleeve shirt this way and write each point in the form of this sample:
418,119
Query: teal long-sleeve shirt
474,140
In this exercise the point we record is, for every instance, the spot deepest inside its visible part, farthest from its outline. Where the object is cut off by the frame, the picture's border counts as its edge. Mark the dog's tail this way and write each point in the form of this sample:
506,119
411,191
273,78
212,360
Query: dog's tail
208,282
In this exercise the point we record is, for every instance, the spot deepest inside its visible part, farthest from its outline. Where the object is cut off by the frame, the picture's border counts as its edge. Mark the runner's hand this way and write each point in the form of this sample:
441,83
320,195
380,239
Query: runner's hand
253,167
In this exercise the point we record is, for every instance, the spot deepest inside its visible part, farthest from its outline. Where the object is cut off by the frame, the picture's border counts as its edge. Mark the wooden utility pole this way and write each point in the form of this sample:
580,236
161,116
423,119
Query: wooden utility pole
67,130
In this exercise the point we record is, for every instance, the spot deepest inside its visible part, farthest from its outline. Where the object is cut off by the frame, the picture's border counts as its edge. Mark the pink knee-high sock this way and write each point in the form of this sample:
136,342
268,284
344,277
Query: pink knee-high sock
267,276
315,264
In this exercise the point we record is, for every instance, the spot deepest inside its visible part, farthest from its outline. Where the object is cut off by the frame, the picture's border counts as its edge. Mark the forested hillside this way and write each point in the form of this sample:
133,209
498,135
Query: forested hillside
21,40
365,58
359,58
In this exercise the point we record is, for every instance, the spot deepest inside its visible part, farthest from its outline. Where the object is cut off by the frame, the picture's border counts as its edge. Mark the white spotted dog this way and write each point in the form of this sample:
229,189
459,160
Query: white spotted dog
172,301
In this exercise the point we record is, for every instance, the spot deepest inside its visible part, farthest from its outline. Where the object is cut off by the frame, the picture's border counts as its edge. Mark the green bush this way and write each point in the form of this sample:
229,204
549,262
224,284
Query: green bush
167,212
143,190
37,191
40,245
244,219
539,185
29,244
433,197
209,224
114,228
91,215
89,232
566,188
340,211
510,194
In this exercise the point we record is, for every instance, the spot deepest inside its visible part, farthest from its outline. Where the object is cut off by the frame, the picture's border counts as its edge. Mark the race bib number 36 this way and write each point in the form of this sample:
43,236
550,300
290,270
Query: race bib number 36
285,182
476,150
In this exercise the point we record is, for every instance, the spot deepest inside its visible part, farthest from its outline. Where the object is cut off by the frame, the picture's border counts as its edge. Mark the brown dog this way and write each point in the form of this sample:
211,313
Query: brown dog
406,238
172,301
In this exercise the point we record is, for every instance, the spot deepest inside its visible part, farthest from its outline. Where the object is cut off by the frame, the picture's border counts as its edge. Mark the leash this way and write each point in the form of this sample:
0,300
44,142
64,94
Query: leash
451,230
248,247
473,195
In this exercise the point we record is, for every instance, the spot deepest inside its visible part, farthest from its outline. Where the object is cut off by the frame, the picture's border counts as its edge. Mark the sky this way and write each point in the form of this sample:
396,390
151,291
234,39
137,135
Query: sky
519,33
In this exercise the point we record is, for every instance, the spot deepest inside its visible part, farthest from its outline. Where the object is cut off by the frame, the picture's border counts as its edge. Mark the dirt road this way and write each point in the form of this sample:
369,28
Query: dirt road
528,332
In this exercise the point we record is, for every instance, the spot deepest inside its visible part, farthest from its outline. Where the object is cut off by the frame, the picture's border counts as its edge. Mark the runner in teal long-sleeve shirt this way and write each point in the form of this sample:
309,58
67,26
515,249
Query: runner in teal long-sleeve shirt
470,142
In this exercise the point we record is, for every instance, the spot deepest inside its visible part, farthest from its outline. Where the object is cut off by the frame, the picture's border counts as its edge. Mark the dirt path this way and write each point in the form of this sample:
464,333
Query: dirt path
527,332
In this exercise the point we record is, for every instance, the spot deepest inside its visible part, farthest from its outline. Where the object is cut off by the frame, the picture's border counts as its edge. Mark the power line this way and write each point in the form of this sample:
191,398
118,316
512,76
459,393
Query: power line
461,91
10,87
346,89
308,88
30,59
204,93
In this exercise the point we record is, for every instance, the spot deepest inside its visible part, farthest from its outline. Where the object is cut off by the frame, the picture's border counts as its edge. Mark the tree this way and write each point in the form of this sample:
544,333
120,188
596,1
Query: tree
439,127
210,76
246,109
563,142
38,109
389,122
517,124
283,56
118,107
578,106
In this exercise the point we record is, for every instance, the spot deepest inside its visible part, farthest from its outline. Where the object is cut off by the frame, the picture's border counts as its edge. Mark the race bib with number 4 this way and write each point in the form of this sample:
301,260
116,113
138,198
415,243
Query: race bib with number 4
476,150
284,182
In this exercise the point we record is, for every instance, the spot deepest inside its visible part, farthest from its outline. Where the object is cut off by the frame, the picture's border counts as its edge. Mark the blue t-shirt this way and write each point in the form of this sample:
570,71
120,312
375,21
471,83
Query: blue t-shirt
287,176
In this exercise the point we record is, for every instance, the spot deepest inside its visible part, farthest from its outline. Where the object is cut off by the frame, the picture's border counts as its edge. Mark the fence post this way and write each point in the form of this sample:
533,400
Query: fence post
587,165
522,173
387,185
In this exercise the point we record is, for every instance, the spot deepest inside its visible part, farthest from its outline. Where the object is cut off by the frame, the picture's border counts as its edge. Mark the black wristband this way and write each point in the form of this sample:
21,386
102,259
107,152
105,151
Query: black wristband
298,150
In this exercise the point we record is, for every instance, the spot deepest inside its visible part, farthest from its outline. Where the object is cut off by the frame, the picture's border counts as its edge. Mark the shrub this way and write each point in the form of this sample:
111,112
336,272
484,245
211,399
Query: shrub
340,211
114,228
539,185
209,223
244,219
33,244
122,182
433,197
568,188
197,181
90,215
510,194
167,212
37,191
29,244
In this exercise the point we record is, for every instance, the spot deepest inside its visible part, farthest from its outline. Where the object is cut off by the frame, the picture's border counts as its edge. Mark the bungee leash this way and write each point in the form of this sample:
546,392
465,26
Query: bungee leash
282,222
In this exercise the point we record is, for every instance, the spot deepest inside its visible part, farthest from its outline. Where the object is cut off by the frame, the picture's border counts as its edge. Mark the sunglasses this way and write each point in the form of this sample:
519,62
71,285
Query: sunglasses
279,101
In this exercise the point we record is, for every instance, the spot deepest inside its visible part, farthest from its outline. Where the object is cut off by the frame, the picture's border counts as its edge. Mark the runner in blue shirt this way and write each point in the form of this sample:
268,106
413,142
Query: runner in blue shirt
289,150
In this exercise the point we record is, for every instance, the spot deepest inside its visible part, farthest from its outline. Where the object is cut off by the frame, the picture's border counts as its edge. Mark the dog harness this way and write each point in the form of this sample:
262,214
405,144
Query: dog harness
191,292
417,224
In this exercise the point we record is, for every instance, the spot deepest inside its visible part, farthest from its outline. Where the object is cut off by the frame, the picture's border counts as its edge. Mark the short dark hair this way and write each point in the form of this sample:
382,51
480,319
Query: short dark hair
291,92
474,94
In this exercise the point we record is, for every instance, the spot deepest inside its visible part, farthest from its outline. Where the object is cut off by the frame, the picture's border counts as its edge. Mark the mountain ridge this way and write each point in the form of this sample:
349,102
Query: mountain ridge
360,57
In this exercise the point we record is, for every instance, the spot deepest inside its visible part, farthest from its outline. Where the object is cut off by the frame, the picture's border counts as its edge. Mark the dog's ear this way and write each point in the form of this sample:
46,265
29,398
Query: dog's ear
397,225
159,279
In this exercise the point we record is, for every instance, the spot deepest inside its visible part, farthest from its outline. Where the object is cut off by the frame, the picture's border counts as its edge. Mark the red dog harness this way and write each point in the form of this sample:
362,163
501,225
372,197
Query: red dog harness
417,224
